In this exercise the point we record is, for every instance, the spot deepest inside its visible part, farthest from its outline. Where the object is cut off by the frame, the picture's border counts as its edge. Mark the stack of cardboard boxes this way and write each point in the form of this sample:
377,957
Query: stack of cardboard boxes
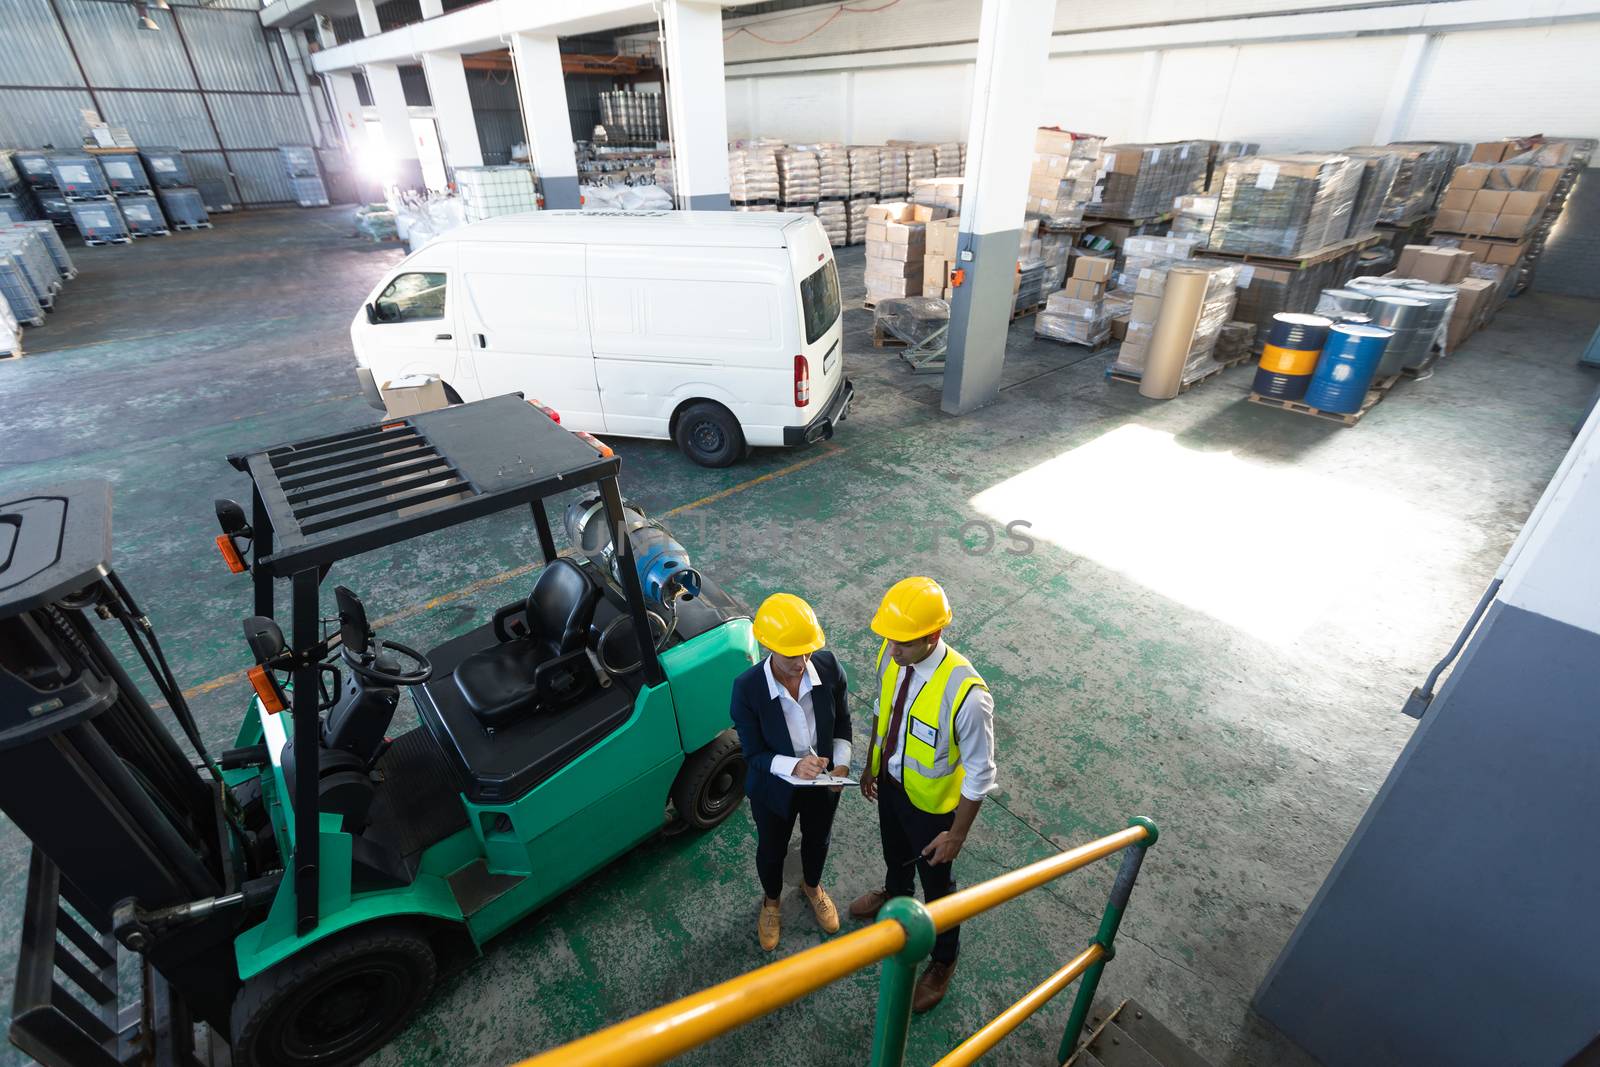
866,182
938,192
1496,199
1480,287
939,260
1421,171
895,246
1216,310
1142,180
1285,205
1077,314
1064,177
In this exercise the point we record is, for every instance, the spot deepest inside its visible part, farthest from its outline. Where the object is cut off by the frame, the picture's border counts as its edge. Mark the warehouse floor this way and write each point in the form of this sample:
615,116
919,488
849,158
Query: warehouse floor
1212,619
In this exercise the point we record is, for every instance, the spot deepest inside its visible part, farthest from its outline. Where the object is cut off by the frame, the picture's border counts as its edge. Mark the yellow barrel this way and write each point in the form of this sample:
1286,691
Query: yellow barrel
1289,360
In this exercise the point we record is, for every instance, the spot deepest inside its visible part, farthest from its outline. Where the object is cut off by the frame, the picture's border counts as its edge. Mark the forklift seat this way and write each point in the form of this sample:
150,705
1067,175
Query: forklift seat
548,665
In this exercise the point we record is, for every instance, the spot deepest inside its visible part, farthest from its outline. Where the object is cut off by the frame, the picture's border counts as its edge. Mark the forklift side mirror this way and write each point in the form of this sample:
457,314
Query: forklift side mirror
230,516
265,638
372,314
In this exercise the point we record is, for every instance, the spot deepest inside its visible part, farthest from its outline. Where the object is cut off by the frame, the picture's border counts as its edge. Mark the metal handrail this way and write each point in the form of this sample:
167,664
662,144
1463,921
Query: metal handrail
902,936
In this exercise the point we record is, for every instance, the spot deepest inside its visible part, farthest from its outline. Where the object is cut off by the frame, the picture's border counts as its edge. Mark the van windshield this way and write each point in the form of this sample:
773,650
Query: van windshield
819,300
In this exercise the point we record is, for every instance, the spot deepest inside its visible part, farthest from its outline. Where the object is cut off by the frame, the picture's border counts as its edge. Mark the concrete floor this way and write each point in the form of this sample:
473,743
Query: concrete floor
1220,614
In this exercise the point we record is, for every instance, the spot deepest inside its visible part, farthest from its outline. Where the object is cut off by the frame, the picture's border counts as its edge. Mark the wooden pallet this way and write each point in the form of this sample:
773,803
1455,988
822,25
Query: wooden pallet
1498,239
95,242
1243,357
1022,313
1090,219
1107,343
1309,259
880,339
192,226
151,233
1379,390
1134,379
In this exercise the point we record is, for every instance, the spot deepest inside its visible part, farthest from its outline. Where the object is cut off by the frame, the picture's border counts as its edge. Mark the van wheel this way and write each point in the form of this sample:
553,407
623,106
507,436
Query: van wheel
711,782
709,434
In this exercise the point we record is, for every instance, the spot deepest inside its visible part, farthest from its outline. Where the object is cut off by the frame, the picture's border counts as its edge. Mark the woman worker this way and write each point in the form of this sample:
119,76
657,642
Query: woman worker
791,713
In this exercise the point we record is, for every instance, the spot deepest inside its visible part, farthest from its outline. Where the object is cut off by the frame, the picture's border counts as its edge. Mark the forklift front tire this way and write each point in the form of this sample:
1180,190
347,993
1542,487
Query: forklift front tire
336,1002
711,782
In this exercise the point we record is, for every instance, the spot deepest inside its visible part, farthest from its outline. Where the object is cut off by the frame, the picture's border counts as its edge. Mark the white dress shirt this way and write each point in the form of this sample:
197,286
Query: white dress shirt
974,728
801,720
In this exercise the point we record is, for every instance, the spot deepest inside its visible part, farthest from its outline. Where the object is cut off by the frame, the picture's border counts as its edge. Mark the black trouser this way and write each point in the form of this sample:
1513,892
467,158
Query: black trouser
907,830
813,805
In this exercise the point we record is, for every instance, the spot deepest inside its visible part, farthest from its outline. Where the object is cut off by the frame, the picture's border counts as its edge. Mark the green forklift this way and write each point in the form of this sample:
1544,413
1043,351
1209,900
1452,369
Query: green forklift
296,896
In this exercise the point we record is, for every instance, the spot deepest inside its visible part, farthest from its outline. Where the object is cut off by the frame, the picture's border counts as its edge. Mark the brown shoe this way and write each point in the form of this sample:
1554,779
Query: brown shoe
867,904
822,907
770,922
931,986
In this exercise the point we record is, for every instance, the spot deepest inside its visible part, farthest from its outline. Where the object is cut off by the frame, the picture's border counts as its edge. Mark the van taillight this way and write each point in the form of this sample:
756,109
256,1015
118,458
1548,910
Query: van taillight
802,382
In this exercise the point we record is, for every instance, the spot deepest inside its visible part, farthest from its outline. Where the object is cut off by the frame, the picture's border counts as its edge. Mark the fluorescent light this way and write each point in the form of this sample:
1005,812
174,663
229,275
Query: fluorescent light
143,14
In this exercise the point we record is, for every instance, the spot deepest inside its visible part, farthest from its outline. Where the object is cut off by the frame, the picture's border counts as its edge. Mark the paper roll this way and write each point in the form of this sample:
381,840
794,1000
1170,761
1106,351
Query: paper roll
1181,304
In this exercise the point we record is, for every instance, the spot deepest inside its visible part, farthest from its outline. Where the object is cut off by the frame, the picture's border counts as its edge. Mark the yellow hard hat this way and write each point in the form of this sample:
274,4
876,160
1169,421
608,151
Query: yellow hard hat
912,608
787,625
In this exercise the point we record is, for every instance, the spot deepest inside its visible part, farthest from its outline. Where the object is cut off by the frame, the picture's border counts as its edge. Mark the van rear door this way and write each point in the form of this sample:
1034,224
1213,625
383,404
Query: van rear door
525,325
821,321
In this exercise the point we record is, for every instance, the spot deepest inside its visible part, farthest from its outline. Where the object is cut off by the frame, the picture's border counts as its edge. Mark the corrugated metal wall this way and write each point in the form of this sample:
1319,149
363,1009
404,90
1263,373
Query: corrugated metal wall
211,82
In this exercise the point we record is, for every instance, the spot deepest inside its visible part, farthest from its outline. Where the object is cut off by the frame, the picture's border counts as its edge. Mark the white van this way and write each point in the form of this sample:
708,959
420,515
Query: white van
719,330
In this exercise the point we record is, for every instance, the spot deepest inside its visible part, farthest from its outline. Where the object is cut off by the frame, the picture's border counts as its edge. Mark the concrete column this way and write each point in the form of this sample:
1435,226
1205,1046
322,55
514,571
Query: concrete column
452,108
1013,45
367,11
325,34
347,114
1408,75
389,97
542,92
697,103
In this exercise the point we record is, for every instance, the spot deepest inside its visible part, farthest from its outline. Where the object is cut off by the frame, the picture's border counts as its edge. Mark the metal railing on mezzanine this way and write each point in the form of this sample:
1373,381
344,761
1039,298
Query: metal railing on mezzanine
901,938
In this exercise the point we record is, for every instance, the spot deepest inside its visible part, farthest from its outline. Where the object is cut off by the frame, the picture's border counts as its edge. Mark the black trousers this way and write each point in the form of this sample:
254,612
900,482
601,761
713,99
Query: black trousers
813,806
907,830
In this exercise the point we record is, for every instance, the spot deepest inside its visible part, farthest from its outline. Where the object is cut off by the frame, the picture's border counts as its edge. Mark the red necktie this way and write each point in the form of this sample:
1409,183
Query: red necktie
892,738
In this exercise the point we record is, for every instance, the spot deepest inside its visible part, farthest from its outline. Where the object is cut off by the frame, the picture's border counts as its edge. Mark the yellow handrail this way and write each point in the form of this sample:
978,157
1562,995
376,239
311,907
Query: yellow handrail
997,1028
672,1029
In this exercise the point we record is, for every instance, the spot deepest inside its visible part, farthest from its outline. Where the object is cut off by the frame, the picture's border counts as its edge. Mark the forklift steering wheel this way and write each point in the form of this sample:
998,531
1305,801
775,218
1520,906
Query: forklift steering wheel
421,670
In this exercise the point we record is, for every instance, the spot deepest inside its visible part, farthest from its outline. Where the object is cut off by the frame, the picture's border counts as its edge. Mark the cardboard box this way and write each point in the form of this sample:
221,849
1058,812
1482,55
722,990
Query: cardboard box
1507,255
1545,179
1513,225
412,395
1093,268
1508,176
1455,221
935,273
1084,289
894,268
1457,200
1491,151
911,234
885,288
1479,222
1052,142
889,211
1469,176
1145,308
941,238
928,212
1525,202
1432,263
1489,201
877,231
1119,326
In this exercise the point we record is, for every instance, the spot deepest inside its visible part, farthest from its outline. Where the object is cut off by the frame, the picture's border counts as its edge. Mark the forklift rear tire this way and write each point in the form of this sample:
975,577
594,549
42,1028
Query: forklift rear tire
711,782
335,1003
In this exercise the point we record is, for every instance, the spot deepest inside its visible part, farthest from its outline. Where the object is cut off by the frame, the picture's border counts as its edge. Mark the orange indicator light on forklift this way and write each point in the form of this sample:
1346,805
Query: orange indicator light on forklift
230,554
261,682
392,425
592,442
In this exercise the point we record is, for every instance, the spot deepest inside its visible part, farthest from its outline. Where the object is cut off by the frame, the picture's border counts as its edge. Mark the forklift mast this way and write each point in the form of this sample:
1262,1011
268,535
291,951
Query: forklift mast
117,813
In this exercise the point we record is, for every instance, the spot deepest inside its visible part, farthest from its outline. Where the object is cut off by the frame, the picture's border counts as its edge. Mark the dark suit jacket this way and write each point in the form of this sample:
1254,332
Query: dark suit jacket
763,733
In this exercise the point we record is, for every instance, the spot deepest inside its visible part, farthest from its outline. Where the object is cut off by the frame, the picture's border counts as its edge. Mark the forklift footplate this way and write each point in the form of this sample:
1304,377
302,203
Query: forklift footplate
418,802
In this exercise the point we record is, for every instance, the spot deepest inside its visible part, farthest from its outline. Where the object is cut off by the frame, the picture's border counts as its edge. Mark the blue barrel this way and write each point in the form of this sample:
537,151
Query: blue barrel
1298,331
1346,368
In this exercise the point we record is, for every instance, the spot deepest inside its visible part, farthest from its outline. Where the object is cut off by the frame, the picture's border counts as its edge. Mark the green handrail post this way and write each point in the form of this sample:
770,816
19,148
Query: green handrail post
898,976
1106,938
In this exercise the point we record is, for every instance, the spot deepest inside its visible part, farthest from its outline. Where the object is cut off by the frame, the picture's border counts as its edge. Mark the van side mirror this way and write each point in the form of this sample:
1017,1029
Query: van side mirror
372,313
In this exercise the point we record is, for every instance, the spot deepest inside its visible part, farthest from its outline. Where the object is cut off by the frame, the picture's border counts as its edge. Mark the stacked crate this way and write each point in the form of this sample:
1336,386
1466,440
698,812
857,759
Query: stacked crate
833,189
130,185
305,177
16,198
753,175
490,191
94,210
799,181
866,185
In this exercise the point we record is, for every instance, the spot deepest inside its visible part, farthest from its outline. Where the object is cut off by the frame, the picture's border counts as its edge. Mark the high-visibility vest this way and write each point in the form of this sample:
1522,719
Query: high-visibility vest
930,761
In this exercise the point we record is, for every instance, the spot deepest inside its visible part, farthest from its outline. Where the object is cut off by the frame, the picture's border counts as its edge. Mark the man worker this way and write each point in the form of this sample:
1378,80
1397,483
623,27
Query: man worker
931,763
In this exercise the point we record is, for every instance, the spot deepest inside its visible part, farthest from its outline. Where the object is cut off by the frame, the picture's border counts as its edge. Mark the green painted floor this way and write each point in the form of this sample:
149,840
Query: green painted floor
1218,614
